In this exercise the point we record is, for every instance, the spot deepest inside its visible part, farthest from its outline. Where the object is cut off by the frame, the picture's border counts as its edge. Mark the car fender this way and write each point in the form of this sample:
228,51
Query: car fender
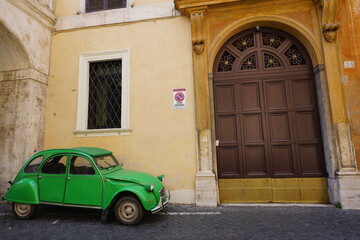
147,199
23,191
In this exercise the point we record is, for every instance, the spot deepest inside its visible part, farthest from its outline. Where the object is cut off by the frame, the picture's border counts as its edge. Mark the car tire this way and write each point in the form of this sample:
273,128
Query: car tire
129,211
23,210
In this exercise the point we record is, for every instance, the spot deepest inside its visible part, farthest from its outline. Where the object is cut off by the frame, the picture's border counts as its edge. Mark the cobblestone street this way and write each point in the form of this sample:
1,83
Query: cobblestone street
187,222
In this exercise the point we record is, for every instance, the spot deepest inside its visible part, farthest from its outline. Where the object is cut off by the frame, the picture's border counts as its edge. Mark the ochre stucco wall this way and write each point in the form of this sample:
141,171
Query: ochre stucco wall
349,44
162,140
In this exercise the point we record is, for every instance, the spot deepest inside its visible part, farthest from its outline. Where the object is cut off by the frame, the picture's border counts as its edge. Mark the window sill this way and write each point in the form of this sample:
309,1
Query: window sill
103,132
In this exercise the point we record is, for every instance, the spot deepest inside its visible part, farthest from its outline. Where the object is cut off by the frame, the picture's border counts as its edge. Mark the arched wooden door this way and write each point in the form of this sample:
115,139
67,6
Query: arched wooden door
267,121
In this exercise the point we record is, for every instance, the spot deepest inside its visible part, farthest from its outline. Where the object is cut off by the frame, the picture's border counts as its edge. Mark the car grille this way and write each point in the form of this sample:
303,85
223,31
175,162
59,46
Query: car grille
162,193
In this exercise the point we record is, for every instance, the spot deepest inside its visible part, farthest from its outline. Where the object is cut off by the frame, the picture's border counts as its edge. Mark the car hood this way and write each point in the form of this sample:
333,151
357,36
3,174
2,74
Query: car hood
134,176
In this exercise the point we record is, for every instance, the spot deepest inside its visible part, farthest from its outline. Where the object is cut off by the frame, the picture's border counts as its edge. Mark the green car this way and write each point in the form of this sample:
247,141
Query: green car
85,177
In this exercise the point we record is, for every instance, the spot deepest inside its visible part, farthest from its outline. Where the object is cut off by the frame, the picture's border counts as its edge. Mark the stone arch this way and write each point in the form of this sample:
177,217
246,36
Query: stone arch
299,31
13,54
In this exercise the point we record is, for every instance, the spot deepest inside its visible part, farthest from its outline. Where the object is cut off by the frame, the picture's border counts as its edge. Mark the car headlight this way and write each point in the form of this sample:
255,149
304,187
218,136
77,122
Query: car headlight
161,177
149,187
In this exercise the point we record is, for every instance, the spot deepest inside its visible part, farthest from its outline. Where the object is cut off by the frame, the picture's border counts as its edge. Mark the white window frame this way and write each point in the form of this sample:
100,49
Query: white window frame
83,93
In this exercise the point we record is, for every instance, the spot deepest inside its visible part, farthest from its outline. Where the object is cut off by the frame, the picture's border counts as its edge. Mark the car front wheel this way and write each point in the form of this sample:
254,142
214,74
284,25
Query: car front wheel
23,210
128,210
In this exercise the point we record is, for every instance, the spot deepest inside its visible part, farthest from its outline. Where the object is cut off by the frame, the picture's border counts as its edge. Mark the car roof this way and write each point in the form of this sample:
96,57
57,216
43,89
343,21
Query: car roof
92,151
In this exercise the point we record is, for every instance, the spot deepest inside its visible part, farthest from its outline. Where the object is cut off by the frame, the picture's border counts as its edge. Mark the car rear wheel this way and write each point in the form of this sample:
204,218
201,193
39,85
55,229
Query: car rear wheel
128,210
23,210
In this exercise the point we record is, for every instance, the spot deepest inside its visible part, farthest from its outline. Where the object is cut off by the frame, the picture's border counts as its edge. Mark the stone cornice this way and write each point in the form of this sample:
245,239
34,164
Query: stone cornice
181,5
40,12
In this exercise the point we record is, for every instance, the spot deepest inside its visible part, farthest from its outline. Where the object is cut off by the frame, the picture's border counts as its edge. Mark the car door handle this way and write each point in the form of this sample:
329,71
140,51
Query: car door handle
39,177
68,178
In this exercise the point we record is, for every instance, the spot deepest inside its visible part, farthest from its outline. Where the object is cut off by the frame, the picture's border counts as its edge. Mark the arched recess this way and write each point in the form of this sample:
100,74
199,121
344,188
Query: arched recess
13,55
312,43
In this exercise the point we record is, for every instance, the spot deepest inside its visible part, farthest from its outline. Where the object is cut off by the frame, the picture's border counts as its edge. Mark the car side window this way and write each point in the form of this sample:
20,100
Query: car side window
81,166
33,166
56,165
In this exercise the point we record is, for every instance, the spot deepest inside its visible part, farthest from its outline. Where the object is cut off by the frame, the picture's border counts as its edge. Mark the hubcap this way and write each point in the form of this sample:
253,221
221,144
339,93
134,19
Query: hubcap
22,209
128,211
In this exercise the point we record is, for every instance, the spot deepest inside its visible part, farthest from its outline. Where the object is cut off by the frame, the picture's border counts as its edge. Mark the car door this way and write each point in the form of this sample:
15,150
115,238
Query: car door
51,179
84,185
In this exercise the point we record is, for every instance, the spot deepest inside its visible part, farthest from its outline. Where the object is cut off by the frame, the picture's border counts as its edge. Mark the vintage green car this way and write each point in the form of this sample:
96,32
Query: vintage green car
85,177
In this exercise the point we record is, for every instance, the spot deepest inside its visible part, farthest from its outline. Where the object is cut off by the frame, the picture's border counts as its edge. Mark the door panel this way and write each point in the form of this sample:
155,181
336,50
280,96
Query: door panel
84,190
276,96
253,128
282,159
228,129
250,97
279,127
84,186
229,166
226,96
255,161
52,180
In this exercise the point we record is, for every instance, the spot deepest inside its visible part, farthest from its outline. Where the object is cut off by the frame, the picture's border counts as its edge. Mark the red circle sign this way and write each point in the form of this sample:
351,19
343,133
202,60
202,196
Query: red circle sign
179,97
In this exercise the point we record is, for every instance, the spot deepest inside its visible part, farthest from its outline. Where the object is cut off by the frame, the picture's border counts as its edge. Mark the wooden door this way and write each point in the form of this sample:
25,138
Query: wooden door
266,113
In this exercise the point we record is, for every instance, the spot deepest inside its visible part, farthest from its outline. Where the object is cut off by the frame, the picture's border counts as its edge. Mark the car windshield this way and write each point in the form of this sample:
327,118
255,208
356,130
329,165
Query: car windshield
105,162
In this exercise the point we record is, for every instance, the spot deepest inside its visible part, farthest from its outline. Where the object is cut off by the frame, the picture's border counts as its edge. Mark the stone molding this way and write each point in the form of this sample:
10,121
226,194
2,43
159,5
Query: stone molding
328,18
122,15
36,10
182,5
23,74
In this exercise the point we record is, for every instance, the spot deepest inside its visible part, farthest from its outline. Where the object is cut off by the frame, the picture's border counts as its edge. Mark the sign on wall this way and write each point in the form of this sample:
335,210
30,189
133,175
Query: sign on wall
179,98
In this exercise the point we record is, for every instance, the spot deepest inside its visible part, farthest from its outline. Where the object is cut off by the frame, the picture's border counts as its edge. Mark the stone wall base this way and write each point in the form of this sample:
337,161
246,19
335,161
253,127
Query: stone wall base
206,190
349,190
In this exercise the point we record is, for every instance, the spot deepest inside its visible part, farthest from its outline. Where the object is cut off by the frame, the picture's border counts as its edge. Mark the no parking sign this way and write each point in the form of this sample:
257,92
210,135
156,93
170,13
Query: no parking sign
179,98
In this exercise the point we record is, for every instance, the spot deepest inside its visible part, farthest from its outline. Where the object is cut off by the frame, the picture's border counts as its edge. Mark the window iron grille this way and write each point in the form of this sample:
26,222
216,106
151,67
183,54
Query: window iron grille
105,91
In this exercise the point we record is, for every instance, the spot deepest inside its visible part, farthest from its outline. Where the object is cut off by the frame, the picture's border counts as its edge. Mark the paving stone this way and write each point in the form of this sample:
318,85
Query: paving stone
187,222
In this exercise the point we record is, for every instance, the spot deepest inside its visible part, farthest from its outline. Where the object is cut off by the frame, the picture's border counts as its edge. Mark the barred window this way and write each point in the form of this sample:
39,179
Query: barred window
103,94
105,83
98,5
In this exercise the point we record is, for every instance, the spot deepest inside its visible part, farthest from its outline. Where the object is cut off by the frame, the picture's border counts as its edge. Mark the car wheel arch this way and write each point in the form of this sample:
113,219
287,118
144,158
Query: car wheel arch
143,199
29,192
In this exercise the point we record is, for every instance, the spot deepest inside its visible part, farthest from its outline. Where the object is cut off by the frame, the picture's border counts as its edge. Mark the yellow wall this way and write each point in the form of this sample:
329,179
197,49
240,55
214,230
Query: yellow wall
162,140
71,7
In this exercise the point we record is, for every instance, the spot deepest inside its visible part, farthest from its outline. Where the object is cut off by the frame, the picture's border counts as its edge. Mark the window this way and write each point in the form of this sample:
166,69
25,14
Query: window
81,166
56,165
98,5
33,166
103,94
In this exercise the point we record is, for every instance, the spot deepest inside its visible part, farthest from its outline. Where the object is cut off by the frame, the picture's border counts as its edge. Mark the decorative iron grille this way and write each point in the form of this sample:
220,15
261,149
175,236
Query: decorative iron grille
244,42
271,61
249,63
294,56
226,62
105,85
272,40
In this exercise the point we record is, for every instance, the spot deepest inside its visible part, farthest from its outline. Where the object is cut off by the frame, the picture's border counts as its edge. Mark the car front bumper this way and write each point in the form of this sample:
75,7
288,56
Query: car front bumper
164,200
